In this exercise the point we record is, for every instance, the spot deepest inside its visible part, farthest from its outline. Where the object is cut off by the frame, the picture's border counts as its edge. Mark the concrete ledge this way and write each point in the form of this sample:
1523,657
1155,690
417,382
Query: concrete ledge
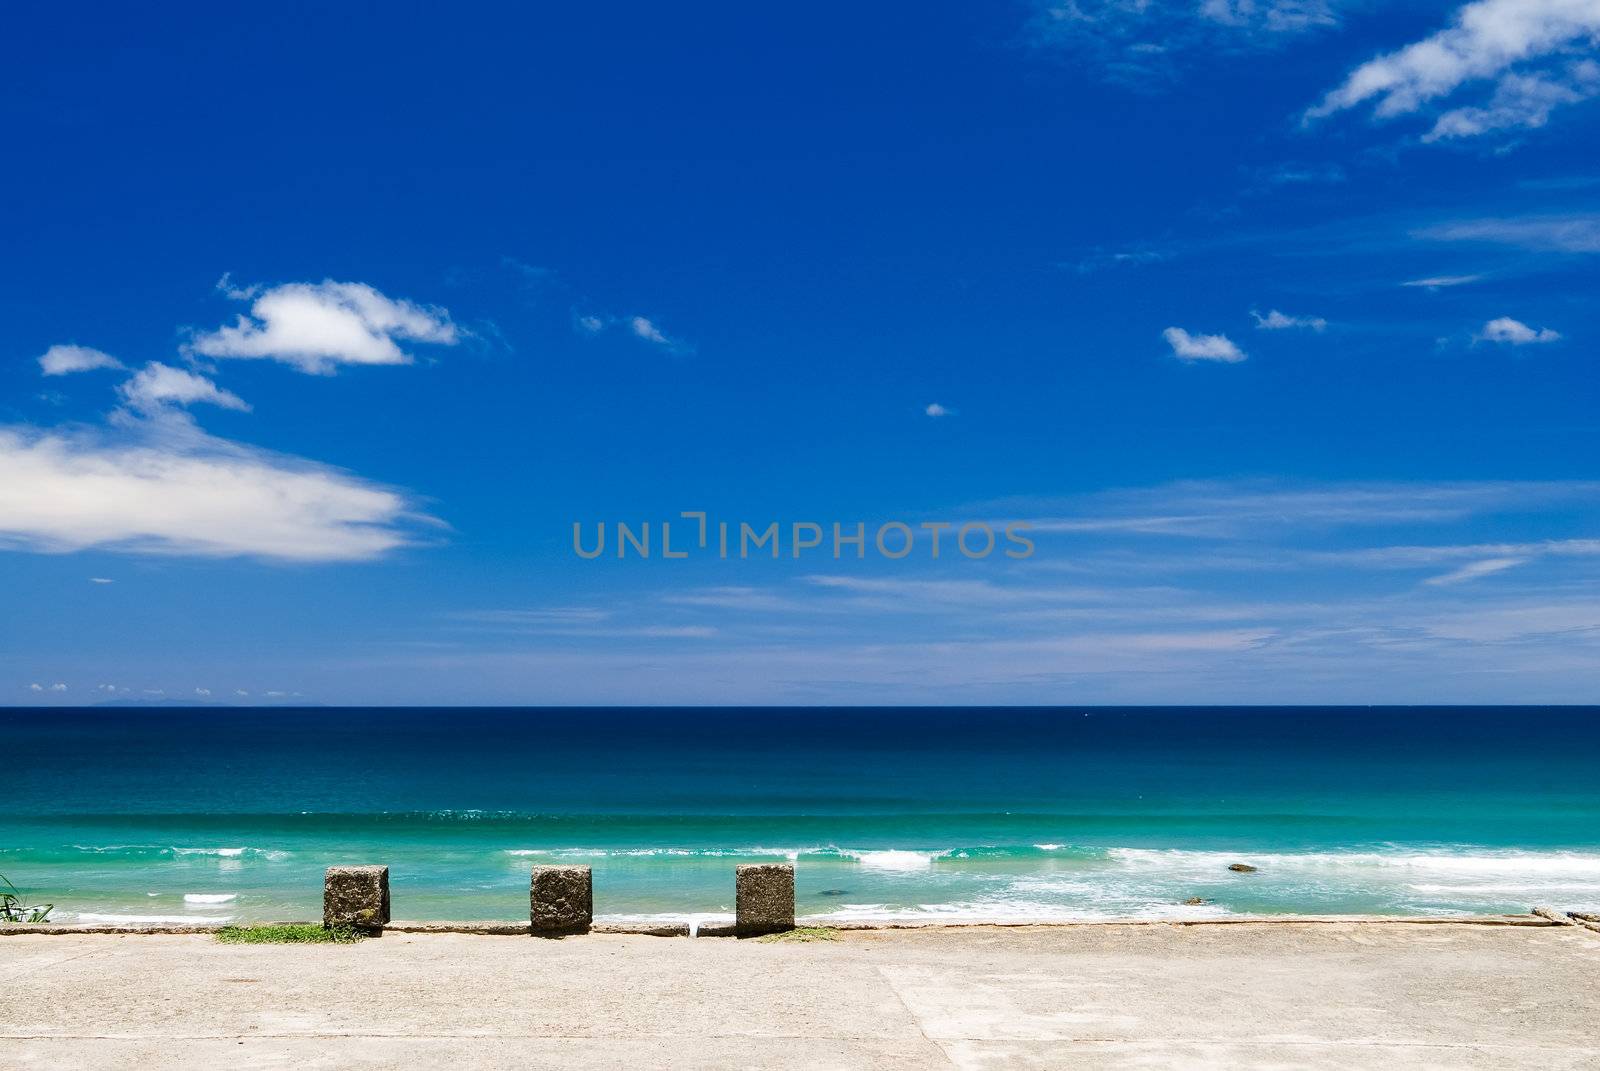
495,929
724,930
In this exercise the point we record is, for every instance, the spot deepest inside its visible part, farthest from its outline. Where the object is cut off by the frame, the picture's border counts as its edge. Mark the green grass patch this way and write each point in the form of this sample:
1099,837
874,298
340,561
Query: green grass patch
309,933
801,934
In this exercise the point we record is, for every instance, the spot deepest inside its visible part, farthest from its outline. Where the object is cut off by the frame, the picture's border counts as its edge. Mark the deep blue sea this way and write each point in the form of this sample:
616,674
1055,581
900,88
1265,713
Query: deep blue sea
186,814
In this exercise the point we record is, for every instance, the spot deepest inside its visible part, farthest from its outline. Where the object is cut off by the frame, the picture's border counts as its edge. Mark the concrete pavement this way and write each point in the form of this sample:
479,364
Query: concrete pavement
1281,995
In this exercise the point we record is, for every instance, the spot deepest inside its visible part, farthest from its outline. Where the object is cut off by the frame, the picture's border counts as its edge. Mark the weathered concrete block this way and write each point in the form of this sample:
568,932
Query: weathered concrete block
763,899
356,896
561,899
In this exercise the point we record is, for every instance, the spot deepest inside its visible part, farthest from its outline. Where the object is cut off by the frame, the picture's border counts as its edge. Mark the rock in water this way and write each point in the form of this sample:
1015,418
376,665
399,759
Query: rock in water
1196,901
1241,868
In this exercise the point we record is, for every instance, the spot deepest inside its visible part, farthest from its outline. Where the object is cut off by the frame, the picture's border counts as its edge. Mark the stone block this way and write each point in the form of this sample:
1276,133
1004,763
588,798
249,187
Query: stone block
356,896
561,899
764,898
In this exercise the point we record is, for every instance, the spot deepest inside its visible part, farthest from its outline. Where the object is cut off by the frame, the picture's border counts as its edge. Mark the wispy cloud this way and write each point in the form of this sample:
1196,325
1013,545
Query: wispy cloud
560,616
1520,101
157,384
576,621
1270,16
316,327
1515,332
64,360
1415,556
1277,321
647,330
1475,570
734,597
1136,41
643,328
972,593
1557,234
1236,509
1187,347
1484,42
1101,259
1327,617
1294,174
934,409
1442,282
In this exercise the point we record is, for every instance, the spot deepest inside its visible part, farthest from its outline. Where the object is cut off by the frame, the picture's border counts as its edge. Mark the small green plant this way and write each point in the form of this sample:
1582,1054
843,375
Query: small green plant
301,933
802,934
14,909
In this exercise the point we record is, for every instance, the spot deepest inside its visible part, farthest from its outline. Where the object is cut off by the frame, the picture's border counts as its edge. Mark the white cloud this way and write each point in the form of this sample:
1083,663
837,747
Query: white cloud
205,692
1519,101
167,488
1101,259
36,687
1189,347
648,331
1485,40
1440,282
1515,332
1277,321
1273,16
1551,234
936,410
58,687
317,326
64,360
591,325
1229,510
1295,174
101,580
1474,570
1133,40
158,384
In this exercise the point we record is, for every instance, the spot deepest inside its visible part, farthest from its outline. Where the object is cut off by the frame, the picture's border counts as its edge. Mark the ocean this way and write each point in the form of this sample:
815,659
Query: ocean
958,814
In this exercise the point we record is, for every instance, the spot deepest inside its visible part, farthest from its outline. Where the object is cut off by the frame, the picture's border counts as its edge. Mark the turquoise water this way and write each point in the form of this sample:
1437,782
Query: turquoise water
906,814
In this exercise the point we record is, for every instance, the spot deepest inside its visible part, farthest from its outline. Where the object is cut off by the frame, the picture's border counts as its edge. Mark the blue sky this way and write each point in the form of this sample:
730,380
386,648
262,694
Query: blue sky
1274,319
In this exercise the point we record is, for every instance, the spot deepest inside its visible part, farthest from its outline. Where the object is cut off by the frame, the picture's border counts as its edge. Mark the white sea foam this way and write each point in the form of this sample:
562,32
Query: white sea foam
226,853
209,898
1004,912
694,919
892,859
1465,864
650,853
